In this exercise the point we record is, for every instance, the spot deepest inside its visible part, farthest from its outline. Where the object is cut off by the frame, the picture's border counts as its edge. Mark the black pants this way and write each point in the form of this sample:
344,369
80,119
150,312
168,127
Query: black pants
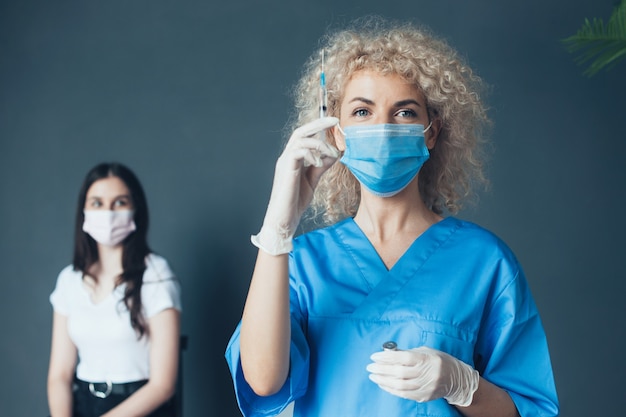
88,405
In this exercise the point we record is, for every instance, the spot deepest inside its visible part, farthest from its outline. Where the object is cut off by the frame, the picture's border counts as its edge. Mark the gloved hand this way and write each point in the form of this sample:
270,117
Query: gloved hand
298,170
424,374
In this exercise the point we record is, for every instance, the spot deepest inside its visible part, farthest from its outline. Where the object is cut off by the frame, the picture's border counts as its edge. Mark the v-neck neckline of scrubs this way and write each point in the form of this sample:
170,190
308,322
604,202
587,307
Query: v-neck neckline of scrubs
368,260
384,284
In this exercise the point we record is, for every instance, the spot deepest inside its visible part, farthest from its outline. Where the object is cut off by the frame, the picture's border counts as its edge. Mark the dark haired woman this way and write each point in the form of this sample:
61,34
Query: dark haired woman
117,308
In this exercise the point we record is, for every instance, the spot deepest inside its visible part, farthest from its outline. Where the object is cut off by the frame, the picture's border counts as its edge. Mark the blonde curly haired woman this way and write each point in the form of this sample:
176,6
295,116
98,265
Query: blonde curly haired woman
397,157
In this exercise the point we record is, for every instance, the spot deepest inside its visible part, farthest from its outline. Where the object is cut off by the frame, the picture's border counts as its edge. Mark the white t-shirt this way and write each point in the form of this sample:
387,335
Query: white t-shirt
108,348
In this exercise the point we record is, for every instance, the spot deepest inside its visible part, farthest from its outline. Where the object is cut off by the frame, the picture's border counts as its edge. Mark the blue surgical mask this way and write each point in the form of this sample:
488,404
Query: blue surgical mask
385,157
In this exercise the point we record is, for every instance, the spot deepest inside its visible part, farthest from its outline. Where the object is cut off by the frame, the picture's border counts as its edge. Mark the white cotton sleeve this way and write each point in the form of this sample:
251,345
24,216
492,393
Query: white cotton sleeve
160,289
61,296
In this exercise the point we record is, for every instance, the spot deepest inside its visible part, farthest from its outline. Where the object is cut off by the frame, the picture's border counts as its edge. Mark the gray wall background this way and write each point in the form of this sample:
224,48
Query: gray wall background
192,95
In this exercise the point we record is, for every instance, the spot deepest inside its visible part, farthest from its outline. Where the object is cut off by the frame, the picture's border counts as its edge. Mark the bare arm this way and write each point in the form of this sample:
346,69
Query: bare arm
265,325
164,329
490,401
61,369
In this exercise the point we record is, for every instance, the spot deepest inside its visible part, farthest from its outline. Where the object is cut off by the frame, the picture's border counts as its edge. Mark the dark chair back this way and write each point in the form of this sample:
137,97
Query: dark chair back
178,396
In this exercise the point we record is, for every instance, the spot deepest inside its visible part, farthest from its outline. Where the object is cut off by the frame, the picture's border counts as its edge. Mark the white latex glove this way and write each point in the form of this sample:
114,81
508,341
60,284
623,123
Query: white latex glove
298,170
424,374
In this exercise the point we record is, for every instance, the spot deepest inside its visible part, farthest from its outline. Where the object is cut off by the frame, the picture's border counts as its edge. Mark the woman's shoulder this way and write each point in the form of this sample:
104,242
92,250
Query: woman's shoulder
326,230
68,285
471,229
157,269
161,287
478,239
69,275
314,239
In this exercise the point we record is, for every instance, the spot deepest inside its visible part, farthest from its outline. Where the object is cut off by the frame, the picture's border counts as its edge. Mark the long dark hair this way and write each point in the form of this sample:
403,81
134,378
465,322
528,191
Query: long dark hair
135,246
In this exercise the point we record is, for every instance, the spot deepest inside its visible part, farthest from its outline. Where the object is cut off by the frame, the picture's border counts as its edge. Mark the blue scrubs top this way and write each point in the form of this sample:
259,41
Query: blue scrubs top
458,288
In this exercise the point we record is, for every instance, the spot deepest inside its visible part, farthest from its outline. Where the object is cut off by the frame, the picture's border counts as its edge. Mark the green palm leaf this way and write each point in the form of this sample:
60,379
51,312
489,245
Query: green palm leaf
603,45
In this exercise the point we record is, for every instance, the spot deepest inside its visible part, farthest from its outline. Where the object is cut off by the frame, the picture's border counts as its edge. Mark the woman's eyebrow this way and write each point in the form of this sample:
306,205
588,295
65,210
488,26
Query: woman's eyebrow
407,102
363,99
397,103
117,197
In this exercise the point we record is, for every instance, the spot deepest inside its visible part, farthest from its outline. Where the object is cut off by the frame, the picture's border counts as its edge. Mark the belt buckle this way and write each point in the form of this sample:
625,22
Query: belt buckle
101,394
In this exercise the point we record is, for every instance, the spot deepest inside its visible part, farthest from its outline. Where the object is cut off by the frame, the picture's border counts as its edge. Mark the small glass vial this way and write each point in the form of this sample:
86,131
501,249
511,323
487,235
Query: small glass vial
390,345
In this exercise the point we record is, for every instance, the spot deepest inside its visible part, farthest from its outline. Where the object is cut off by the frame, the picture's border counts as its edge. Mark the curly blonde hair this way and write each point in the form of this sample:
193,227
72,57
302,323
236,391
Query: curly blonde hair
450,88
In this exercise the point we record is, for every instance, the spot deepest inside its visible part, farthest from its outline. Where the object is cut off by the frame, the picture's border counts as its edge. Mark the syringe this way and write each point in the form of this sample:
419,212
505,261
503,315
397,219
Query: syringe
323,94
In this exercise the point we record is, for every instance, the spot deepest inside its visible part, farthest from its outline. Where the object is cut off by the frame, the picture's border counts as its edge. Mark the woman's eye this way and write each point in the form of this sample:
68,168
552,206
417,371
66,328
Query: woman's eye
120,203
407,113
361,112
96,203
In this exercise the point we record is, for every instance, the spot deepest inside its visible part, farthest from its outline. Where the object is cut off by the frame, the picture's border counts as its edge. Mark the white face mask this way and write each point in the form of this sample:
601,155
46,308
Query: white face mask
109,227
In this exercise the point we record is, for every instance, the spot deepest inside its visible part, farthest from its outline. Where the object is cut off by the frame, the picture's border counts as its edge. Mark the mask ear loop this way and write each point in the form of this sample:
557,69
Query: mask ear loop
429,125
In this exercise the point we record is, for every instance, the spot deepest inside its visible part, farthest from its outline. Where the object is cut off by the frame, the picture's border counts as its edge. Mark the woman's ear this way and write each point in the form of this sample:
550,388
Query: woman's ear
340,139
432,134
